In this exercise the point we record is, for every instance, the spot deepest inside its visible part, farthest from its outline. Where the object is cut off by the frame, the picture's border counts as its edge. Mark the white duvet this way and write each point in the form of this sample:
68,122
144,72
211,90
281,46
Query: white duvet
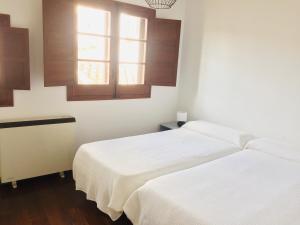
246,188
110,171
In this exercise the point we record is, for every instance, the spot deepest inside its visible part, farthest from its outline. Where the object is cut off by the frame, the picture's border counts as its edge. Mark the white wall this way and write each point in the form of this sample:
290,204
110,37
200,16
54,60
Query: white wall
95,119
241,65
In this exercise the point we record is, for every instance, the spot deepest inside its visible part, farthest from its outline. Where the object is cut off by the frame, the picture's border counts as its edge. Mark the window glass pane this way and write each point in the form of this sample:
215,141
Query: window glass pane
132,51
93,73
131,74
93,47
133,27
95,21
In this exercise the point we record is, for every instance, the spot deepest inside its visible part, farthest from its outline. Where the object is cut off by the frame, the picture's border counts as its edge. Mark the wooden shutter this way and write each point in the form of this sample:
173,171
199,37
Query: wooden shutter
14,58
4,20
6,95
59,35
163,51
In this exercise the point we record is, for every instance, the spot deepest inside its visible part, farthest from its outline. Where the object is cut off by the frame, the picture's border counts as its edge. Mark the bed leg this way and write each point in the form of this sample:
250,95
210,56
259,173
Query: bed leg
14,184
62,174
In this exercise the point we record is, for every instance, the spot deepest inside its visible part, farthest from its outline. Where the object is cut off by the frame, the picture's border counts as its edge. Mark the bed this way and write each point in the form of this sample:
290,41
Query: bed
258,186
110,171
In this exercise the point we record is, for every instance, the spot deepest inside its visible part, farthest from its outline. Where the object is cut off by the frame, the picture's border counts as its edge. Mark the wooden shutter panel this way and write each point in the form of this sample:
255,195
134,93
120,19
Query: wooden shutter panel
163,51
6,95
59,35
4,20
14,58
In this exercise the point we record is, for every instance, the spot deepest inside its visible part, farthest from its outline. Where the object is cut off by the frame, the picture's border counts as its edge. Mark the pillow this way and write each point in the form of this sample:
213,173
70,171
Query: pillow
275,148
227,134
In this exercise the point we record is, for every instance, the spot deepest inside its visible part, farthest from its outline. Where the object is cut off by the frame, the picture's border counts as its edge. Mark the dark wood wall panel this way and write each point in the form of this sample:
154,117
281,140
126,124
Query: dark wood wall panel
14,60
4,20
6,97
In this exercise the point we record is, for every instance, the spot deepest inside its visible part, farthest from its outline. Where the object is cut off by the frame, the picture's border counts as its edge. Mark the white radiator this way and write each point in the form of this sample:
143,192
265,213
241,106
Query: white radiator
36,147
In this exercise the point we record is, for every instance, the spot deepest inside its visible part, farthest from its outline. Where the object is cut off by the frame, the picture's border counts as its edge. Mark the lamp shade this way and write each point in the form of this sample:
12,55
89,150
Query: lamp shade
161,4
182,116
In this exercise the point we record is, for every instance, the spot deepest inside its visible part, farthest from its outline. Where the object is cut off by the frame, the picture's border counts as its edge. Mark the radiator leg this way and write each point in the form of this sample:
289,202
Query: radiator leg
62,174
14,184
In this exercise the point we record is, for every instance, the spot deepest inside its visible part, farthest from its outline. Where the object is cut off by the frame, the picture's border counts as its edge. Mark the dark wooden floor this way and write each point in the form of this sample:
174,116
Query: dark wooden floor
49,200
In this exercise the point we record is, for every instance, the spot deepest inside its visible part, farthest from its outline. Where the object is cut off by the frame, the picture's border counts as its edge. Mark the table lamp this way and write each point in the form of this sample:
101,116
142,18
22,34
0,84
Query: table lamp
181,118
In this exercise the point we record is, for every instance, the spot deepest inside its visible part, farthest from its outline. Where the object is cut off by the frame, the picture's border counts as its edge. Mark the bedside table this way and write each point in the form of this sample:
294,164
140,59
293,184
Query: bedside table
168,126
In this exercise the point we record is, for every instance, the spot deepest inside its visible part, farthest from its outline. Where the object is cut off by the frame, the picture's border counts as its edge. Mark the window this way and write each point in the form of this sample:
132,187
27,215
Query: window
132,49
108,49
93,46
111,52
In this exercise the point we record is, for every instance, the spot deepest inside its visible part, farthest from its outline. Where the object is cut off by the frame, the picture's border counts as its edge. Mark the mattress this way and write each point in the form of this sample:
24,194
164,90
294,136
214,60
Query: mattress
110,171
250,187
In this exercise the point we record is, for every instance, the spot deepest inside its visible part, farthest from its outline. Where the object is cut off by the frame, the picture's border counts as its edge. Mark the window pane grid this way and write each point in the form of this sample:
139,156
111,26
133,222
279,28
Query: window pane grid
124,62
133,39
93,47
132,50
131,74
93,73
86,20
95,35
94,40
93,60
133,27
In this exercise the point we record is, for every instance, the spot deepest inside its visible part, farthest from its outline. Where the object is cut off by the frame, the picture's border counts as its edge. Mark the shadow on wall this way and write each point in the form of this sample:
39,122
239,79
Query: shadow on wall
249,65
191,56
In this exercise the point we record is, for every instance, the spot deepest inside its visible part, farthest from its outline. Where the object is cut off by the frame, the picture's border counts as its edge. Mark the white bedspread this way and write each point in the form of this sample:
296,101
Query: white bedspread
110,171
246,188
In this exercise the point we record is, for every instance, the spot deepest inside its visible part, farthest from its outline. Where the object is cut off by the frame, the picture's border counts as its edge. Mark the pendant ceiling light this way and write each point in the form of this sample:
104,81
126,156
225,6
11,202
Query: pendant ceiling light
161,4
